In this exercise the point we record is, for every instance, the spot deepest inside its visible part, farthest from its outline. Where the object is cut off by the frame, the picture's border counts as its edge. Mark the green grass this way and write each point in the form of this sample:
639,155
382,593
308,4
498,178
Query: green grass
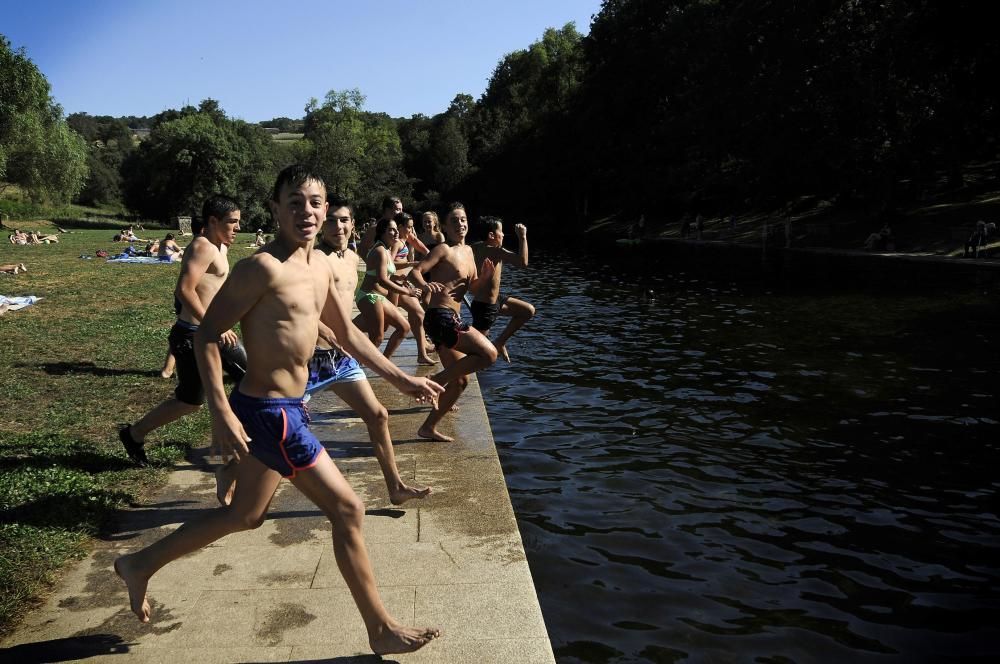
74,365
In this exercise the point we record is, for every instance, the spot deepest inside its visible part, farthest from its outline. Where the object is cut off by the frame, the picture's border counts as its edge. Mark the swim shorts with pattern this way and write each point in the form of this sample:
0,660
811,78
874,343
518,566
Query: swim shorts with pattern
329,366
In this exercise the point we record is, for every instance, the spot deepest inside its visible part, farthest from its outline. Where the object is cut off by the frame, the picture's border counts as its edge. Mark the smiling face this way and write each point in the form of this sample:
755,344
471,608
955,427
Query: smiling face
338,228
456,225
429,221
300,211
390,234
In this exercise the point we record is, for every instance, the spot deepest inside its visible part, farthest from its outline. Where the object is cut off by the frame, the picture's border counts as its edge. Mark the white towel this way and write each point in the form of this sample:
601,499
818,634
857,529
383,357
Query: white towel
15,303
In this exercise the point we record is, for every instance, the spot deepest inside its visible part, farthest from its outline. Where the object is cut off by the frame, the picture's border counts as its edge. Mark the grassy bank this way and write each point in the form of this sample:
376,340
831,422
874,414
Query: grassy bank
74,365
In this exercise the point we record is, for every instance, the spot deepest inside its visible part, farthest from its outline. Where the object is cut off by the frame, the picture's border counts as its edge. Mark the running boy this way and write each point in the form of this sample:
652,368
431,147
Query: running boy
448,272
487,301
203,271
333,368
277,295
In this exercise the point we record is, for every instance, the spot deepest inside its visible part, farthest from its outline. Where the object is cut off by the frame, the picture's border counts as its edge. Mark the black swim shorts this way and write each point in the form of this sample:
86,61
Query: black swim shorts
189,387
444,327
485,314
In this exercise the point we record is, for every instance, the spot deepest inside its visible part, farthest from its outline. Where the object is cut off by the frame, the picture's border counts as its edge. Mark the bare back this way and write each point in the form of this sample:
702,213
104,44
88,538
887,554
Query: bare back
205,268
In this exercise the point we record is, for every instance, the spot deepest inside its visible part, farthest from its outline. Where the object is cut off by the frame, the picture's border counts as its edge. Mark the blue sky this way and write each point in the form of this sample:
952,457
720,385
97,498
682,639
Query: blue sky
266,59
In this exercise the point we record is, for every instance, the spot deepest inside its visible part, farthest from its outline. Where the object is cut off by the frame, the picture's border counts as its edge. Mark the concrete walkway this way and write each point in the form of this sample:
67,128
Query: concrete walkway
454,560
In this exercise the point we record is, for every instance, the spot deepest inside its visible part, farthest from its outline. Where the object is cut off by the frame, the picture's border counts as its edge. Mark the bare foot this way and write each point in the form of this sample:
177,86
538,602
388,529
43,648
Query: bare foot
425,360
433,434
392,639
502,352
24,268
404,493
225,482
166,374
454,408
136,585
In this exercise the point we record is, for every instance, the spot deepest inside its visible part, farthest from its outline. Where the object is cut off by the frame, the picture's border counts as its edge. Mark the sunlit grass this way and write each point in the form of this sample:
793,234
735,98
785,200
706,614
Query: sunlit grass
73,366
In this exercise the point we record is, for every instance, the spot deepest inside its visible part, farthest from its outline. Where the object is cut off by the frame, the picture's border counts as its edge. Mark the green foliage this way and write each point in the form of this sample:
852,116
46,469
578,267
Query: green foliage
38,150
192,154
358,153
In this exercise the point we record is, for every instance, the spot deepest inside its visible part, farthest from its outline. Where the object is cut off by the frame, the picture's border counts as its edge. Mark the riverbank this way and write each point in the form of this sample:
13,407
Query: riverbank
935,222
454,560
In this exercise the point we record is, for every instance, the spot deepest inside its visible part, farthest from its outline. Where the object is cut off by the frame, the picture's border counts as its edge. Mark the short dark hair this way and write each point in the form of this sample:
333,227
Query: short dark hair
169,236
197,226
217,206
452,207
337,201
390,202
491,224
294,176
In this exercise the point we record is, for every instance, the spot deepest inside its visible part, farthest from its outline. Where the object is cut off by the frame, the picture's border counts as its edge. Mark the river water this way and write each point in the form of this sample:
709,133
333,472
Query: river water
711,471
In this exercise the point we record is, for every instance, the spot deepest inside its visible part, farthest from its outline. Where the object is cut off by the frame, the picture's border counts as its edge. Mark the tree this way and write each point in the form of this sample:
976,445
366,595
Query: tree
38,150
199,153
358,153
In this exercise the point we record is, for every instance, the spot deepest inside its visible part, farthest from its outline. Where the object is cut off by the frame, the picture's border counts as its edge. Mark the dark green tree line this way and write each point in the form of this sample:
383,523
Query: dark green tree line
39,152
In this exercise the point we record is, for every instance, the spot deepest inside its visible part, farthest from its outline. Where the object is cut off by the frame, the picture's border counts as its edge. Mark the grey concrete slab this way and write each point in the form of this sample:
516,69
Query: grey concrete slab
453,560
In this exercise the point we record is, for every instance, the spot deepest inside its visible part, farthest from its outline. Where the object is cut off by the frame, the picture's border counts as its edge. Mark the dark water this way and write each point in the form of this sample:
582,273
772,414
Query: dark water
729,474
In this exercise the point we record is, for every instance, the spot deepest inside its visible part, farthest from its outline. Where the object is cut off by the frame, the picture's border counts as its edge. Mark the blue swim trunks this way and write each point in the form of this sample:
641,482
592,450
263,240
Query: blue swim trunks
329,366
279,432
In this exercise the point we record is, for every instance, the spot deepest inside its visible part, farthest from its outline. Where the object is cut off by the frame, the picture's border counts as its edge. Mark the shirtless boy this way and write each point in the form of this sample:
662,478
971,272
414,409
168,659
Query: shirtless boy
449,272
203,271
332,368
277,295
487,301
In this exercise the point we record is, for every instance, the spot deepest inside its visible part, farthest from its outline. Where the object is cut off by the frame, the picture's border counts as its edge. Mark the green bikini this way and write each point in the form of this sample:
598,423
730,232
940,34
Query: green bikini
373,296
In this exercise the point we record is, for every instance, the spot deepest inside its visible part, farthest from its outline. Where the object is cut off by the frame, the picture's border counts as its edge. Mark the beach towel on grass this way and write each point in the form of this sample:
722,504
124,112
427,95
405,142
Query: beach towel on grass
15,303
143,260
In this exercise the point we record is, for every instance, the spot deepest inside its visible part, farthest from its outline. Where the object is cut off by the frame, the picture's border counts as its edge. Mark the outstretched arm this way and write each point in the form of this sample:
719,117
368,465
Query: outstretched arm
337,316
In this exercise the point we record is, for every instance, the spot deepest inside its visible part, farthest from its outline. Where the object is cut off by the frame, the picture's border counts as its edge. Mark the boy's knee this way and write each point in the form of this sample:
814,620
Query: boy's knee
490,355
349,516
462,381
377,416
529,310
247,521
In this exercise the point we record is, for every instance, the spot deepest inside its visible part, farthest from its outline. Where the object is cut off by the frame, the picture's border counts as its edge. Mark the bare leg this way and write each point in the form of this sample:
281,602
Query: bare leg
169,362
167,412
415,317
372,320
481,354
326,487
360,398
520,312
254,490
475,353
394,317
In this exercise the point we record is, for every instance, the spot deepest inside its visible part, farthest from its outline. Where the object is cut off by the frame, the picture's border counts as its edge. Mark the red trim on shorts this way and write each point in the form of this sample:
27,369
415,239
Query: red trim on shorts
281,444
